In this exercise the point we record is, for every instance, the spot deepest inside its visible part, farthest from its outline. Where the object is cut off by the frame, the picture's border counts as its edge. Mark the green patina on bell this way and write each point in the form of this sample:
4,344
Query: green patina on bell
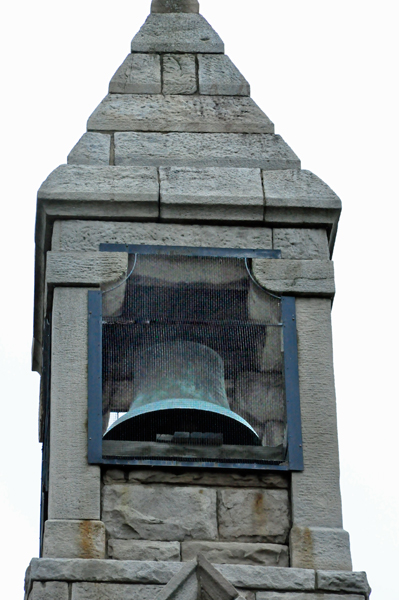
180,389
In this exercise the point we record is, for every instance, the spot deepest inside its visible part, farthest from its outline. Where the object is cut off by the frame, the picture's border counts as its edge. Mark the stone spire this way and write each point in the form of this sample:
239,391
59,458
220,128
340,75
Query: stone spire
175,6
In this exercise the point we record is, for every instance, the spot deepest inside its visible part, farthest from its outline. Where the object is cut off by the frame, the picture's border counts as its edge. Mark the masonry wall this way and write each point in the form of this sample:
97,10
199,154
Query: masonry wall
241,518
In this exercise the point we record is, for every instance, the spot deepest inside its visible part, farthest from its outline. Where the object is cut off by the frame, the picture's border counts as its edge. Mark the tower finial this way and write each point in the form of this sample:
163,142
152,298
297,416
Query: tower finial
175,6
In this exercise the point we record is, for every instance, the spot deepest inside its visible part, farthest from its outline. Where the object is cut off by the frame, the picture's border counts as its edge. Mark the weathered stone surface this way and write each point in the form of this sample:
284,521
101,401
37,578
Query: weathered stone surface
256,150
88,235
183,586
143,550
270,555
177,33
211,193
165,6
204,478
107,571
306,244
49,590
310,277
338,581
179,74
92,149
90,268
316,500
119,184
320,548
74,539
114,476
298,188
112,591
268,578
304,596
212,114
253,515
219,76
159,513
74,484
138,74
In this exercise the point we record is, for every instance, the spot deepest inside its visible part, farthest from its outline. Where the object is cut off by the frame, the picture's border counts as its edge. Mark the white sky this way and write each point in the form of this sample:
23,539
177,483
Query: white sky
326,74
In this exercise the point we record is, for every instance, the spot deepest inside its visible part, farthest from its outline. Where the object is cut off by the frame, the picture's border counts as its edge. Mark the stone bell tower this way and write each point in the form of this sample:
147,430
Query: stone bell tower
183,336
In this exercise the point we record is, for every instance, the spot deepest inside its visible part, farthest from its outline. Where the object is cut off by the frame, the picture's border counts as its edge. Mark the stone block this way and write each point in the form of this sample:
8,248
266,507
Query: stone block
256,150
341,581
107,571
320,548
74,539
270,555
138,74
166,6
308,277
212,478
92,149
159,513
219,76
211,193
92,183
305,244
90,268
114,476
49,590
253,515
112,591
304,596
87,235
179,74
298,188
143,550
74,491
316,500
268,578
175,32
191,113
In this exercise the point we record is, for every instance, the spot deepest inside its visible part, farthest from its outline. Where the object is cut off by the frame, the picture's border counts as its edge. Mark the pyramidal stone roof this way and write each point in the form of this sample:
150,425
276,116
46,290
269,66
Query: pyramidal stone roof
179,139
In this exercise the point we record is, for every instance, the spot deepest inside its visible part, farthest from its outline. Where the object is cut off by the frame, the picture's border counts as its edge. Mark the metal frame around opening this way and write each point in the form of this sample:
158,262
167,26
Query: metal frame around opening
294,459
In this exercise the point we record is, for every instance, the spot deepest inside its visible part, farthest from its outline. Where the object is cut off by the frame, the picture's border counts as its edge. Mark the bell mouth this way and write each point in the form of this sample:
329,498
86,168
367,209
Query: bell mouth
143,424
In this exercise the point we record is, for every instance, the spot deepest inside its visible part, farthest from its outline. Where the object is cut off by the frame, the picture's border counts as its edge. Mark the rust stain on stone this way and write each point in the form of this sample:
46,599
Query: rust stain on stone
259,504
87,544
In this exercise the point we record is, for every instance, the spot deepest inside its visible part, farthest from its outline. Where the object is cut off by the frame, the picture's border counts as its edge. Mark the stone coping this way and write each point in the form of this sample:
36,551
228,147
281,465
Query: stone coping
149,572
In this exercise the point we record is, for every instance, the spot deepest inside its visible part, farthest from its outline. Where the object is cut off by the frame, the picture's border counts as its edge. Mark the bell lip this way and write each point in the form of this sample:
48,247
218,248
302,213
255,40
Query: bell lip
185,403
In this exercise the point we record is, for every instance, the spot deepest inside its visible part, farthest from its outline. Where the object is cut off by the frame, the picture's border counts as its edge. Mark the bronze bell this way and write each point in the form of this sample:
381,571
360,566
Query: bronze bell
180,388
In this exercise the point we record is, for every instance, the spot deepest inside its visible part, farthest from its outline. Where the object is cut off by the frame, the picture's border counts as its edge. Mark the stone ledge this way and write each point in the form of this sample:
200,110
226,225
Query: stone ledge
106,571
341,581
102,183
268,578
305,596
306,277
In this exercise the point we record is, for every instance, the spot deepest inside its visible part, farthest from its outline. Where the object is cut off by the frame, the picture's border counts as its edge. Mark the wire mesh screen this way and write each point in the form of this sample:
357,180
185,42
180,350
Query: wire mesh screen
192,356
